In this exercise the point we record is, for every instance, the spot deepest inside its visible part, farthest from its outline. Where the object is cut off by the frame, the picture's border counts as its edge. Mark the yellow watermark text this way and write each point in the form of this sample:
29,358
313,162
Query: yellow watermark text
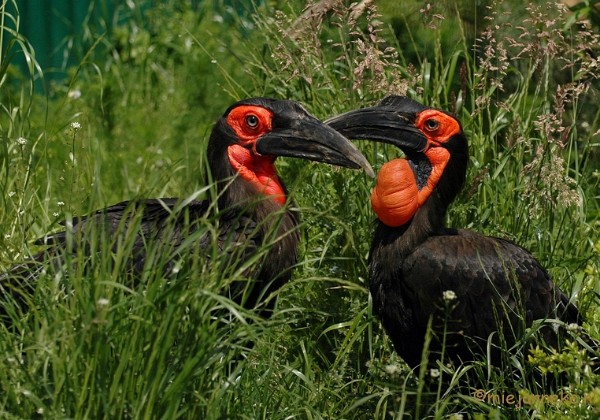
525,399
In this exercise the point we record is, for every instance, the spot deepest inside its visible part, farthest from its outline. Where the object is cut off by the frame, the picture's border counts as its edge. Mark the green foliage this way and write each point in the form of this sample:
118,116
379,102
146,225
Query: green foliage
132,120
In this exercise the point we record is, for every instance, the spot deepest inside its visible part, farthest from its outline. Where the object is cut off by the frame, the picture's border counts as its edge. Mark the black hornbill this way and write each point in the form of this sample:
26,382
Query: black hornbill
476,286
252,208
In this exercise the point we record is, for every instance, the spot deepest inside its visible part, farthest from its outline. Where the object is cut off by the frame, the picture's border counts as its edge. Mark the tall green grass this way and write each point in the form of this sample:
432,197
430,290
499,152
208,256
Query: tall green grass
98,344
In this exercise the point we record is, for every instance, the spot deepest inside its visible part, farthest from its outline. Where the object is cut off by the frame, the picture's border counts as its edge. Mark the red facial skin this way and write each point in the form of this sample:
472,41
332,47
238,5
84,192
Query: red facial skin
396,197
250,122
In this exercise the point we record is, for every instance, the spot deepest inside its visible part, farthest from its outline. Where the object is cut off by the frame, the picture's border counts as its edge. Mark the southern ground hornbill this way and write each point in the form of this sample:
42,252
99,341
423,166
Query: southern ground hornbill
252,212
475,286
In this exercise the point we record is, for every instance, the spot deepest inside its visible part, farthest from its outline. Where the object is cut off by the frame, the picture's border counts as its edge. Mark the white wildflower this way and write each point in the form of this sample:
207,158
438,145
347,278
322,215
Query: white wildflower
103,302
392,369
11,193
74,94
22,141
60,203
75,126
176,268
434,373
449,295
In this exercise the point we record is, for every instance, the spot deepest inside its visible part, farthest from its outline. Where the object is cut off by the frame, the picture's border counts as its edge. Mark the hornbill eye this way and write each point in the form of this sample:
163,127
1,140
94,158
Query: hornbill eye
252,121
432,124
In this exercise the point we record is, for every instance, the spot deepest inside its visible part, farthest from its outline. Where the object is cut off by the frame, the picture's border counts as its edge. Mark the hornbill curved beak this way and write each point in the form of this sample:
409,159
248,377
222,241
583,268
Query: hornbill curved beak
308,138
381,123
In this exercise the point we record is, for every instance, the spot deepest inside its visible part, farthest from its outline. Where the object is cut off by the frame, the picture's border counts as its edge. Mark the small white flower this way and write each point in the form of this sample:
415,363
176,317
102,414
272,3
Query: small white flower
449,295
7,236
213,61
74,94
176,268
103,302
26,393
22,141
60,203
55,214
456,416
11,193
392,369
573,326
40,410
75,126
434,373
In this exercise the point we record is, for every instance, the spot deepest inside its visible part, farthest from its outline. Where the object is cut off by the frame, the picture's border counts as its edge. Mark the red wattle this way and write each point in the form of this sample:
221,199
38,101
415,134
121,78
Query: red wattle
257,170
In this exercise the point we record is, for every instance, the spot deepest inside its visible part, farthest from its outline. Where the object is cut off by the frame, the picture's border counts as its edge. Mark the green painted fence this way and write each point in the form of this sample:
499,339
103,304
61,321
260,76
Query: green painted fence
50,26
61,32
55,29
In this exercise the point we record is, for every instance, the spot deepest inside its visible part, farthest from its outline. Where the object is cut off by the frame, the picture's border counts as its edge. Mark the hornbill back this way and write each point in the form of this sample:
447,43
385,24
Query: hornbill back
251,224
479,288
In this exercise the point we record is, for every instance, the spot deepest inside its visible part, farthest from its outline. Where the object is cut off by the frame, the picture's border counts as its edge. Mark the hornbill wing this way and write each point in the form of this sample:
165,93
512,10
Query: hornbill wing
102,225
499,286
233,241
152,211
158,220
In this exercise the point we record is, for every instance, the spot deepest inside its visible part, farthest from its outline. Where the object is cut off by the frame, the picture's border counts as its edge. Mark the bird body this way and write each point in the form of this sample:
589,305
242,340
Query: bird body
474,289
250,214
498,289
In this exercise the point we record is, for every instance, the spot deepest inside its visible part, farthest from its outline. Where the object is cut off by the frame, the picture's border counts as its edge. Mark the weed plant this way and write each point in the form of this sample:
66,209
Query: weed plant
132,120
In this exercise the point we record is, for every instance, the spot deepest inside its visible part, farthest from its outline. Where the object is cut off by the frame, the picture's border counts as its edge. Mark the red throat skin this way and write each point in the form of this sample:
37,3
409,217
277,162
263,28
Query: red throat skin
396,196
257,170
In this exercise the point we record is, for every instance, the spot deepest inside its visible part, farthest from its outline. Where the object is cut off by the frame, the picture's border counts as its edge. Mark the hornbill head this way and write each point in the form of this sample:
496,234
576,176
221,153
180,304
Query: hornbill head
253,132
436,150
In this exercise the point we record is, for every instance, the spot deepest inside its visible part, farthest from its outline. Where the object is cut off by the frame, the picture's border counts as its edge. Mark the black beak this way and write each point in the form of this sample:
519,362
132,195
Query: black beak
381,123
308,138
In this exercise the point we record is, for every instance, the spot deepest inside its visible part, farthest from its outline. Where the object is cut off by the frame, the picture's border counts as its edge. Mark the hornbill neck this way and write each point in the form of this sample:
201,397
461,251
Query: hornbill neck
235,191
429,218
264,215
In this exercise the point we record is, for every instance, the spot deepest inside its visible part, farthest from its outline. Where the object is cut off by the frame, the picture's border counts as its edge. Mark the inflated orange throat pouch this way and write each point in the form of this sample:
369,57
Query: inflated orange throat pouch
257,170
396,196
